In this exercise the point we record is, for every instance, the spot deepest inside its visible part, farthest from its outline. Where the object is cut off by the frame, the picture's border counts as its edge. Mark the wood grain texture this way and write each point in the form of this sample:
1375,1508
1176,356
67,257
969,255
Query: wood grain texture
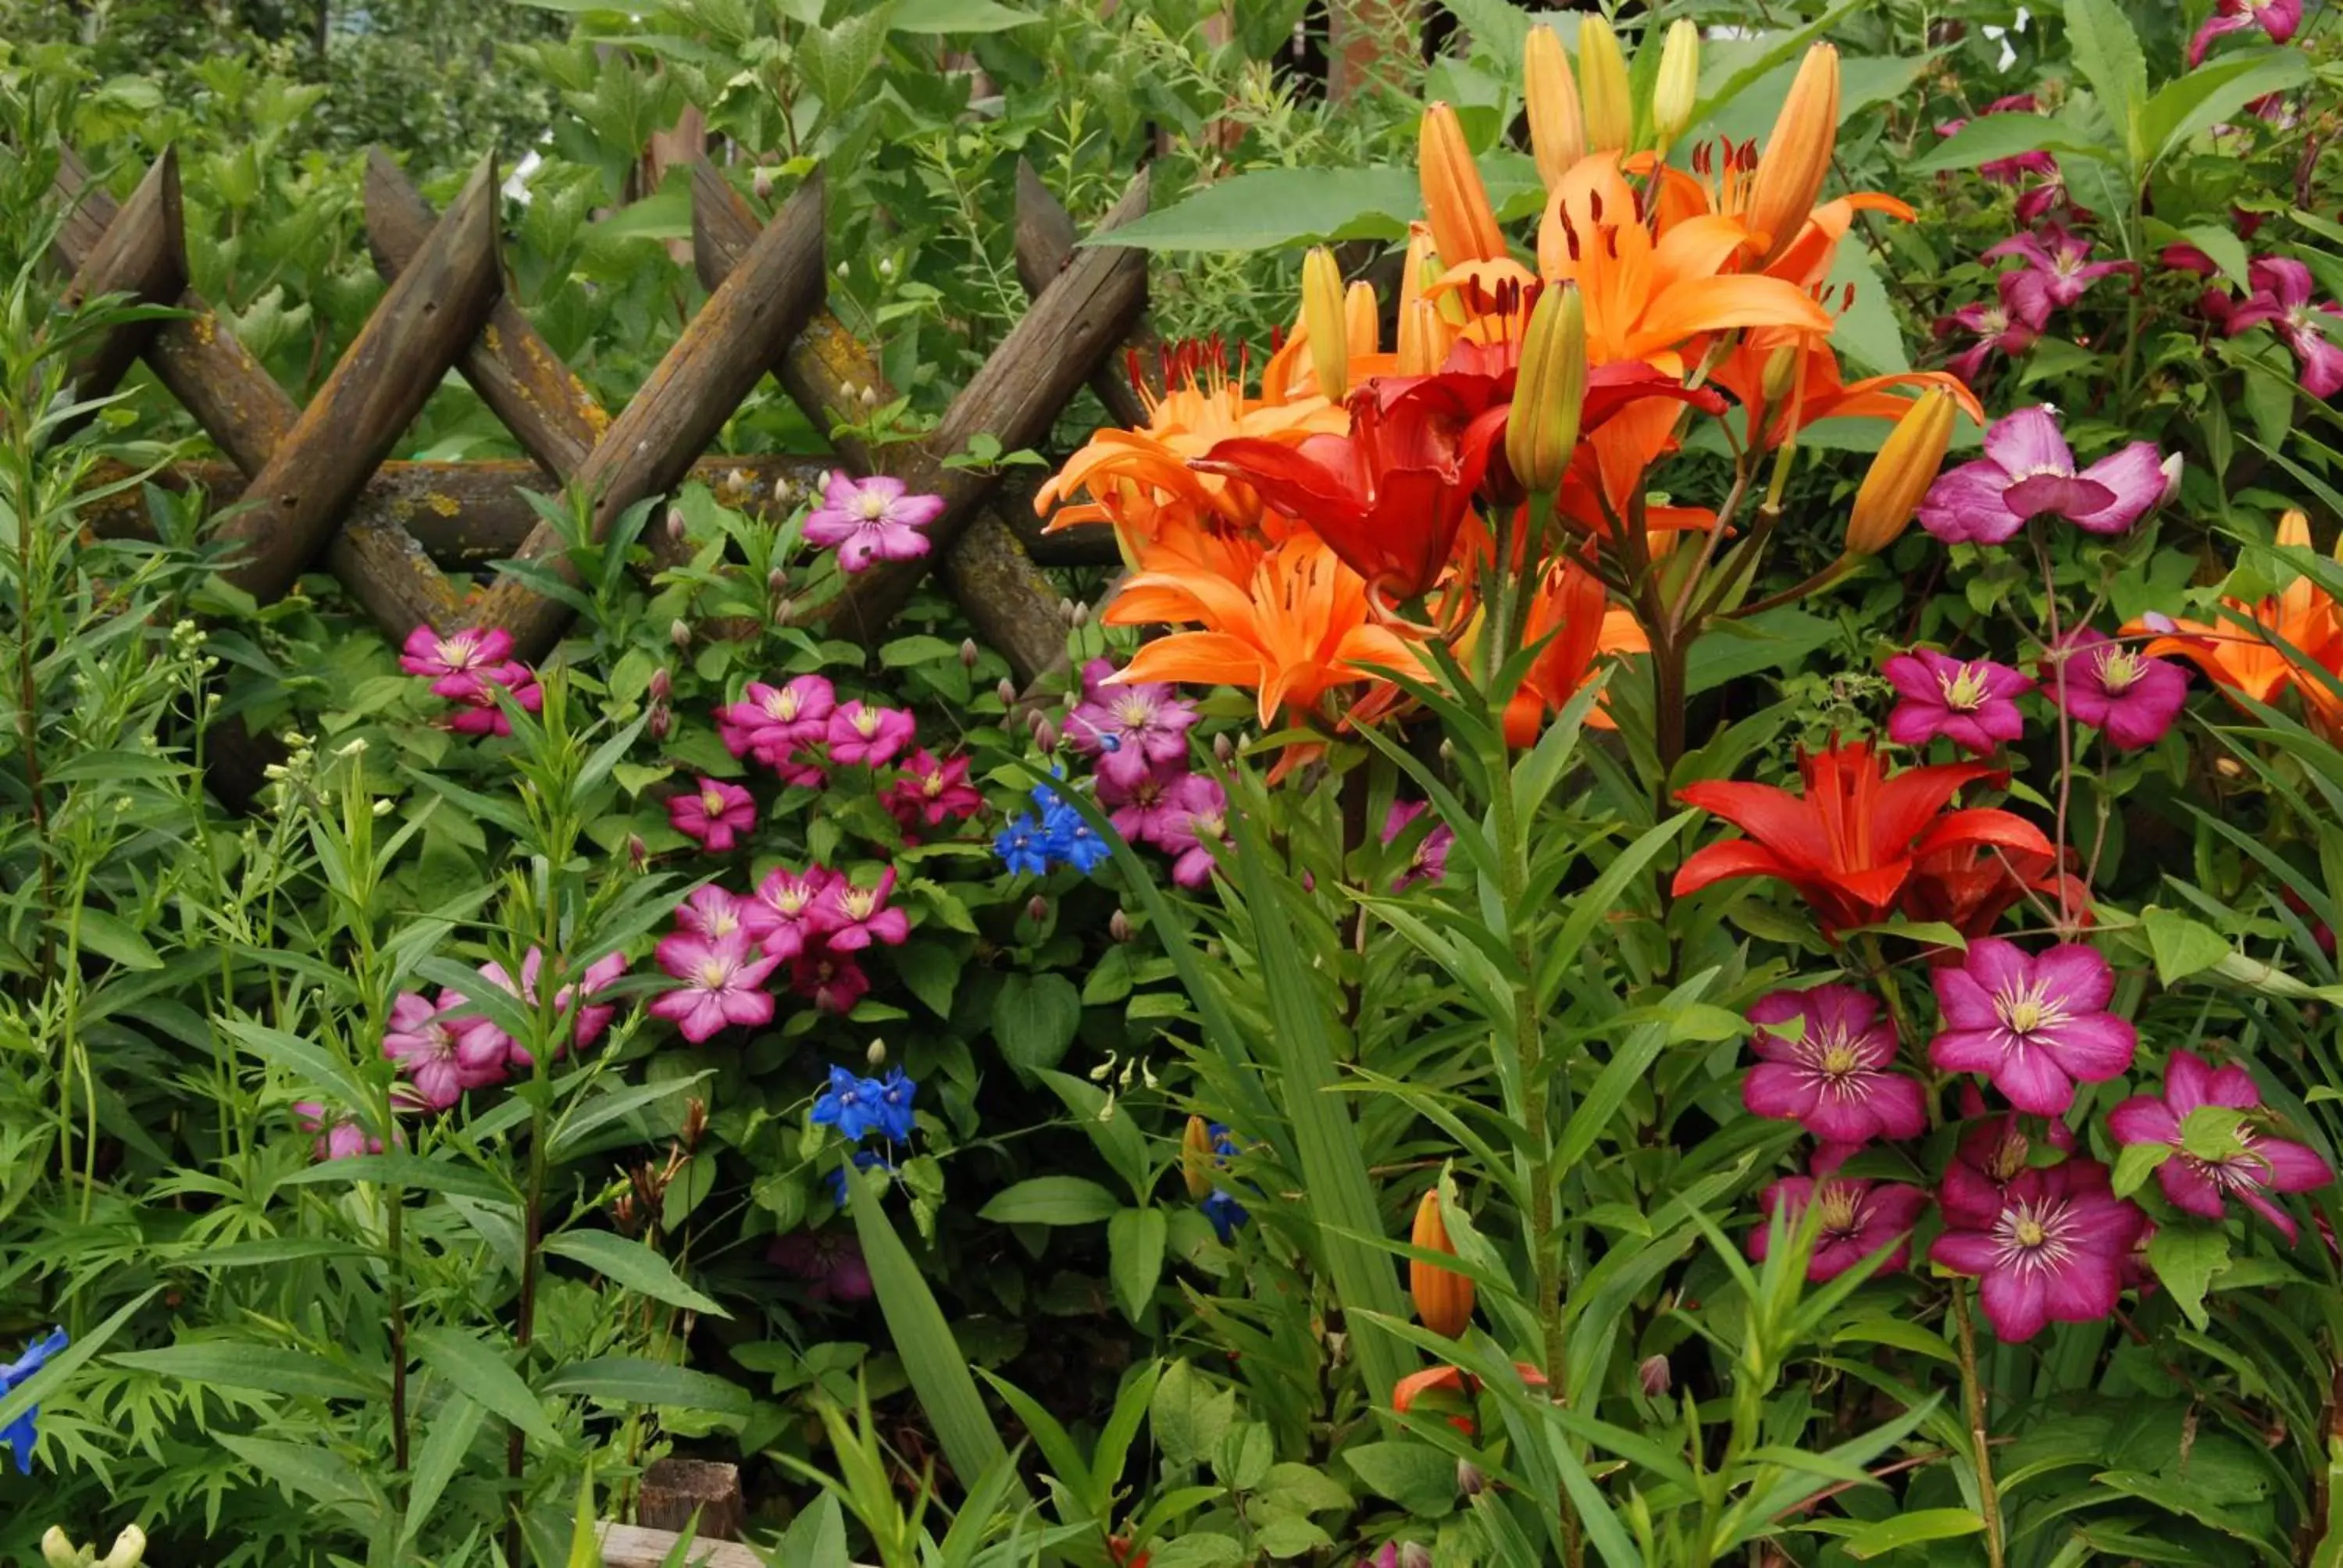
384,377
766,300
143,253
633,1547
1045,247
698,1494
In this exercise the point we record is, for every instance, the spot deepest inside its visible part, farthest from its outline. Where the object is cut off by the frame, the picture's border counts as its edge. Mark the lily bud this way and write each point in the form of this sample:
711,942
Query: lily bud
1678,89
1443,1298
1603,79
129,1550
1907,464
1796,156
1421,339
1419,266
1361,326
1557,125
1550,392
1781,374
1196,1158
1464,226
1321,320
58,1549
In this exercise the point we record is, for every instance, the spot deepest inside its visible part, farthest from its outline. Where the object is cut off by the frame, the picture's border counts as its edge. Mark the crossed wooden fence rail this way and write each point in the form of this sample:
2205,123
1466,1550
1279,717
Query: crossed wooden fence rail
312,485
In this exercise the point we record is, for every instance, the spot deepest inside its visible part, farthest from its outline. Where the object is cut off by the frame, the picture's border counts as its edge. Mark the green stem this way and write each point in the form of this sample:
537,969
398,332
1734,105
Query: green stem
1973,1403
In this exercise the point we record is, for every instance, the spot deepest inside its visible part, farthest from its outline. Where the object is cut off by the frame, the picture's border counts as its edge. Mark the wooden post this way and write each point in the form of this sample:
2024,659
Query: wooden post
1045,247
633,1547
692,1494
142,253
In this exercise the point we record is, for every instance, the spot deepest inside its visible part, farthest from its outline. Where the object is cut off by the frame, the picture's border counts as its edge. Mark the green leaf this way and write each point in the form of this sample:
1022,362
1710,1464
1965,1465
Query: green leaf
2213,92
838,58
632,1265
310,1469
273,1369
2185,1255
1911,1529
112,936
1986,139
1269,209
954,17
1117,1137
453,1428
1134,1251
2182,947
44,1383
631,1379
1050,1200
602,1109
2220,242
2108,53
398,1168
309,1062
1189,1415
1418,1477
485,1375
1867,331
1034,1017
1773,639
2136,1164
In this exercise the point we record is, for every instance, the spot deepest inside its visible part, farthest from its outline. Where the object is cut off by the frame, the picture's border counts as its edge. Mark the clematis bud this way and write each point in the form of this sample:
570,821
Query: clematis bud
1321,319
1900,475
1550,391
967,653
638,853
1037,909
1796,156
1081,614
2171,468
1603,79
1006,691
660,720
1443,1298
662,684
1223,748
1464,226
1557,125
675,529
678,632
1414,1554
1469,1479
761,182
1118,926
1045,735
877,1055
1196,1158
1678,89
1655,1375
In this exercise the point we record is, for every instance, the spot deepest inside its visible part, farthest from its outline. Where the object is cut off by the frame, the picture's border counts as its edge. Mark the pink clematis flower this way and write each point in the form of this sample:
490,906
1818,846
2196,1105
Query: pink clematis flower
1858,1219
828,1262
1832,1076
2056,1251
2127,697
769,722
781,915
871,520
720,984
850,919
2281,301
932,792
339,1136
873,737
1429,864
2198,1186
457,662
713,814
712,912
2059,269
442,1055
594,1015
2006,326
2028,471
1149,810
481,1037
1973,703
1994,1152
480,713
833,982
1130,729
2033,1025
1195,841
2278,18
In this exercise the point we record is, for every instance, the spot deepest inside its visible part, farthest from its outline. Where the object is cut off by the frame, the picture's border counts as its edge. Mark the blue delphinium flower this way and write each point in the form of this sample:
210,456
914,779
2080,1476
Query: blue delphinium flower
1225,1213
849,1105
864,1160
1071,839
19,1434
892,1116
1024,846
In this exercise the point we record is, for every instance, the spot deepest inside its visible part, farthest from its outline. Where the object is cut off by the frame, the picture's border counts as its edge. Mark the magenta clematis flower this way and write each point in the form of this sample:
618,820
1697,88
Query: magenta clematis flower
720,984
2058,1250
2127,697
442,1055
833,982
1195,842
459,662
932,792
850,919
1973,703
1994,1152
828,1262
1128,729
769,722
2278,18
2007,326
340,1137
1832,1076
2011,170
713,814
871,520
2281,301
2059,269
859,733
2028,471
1429,864
2033,1025
2198,1186
480,714
481,1037
781,915
594,1015
712,912
1858,1219
1151,809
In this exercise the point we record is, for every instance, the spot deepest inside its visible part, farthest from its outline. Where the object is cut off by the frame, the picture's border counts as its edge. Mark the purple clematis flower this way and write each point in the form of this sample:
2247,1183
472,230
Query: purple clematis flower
870,736
2033,1025
2058,268
1995,1151
712,912
780,916
2281,301
2028,471
850,918
1128,729
714,813
771,721
2198,1186
443,1056
1196,840
2054,1251
339,1136
1830,1077
2126,696
1973,703
1430,862
871,520
2009,327
2278,18
1858,1219
1152,811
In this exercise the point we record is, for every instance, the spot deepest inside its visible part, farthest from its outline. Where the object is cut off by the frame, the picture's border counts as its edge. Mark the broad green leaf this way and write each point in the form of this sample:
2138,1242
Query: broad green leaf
1911,1529
2135,1164
309,1062
2182,947
2191,102
1269,209
956,17
1867,332
1134,1251
632,1265
311,1469
273,1369
1986,139
1111,1129
1034,1017
1418,1477
112,936
1773,639
1189,1415
631,1379
483,1374
2185,1255
1050,1200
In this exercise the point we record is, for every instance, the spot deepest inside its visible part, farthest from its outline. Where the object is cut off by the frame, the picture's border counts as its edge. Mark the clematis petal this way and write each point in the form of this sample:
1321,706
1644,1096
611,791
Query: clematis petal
2028,442
2015,1302
2134,478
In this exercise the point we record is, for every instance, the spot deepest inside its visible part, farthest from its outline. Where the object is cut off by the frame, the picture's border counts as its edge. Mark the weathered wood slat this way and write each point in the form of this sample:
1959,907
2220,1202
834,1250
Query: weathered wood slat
143,253
1045,247
389,372
766,300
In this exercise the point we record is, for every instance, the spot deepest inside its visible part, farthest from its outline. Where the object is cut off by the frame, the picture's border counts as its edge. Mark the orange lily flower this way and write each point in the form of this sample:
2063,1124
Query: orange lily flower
1824,396
2304,617
1453,1382
1570,605
1297,630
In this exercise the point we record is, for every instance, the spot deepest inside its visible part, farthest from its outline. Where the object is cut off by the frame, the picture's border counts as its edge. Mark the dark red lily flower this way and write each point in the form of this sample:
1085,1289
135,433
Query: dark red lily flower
1970,886
1849,844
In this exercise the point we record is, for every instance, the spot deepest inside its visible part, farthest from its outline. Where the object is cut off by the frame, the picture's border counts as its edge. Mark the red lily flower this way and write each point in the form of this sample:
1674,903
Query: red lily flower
1849,843
1970,885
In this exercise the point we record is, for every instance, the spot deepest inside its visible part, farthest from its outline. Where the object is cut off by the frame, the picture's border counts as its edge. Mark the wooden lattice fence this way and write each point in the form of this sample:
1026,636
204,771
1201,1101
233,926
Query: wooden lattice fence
310,486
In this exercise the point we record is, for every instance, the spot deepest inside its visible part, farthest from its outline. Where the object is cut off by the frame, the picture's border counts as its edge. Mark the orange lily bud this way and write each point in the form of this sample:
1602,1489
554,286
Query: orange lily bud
1196,1158
1796,156
1322,322
1423,339
1907,464
1550,392
1557,125
1677,90
1419,268
1360,328
1464,225
1603,78
1443,1298
1781,373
